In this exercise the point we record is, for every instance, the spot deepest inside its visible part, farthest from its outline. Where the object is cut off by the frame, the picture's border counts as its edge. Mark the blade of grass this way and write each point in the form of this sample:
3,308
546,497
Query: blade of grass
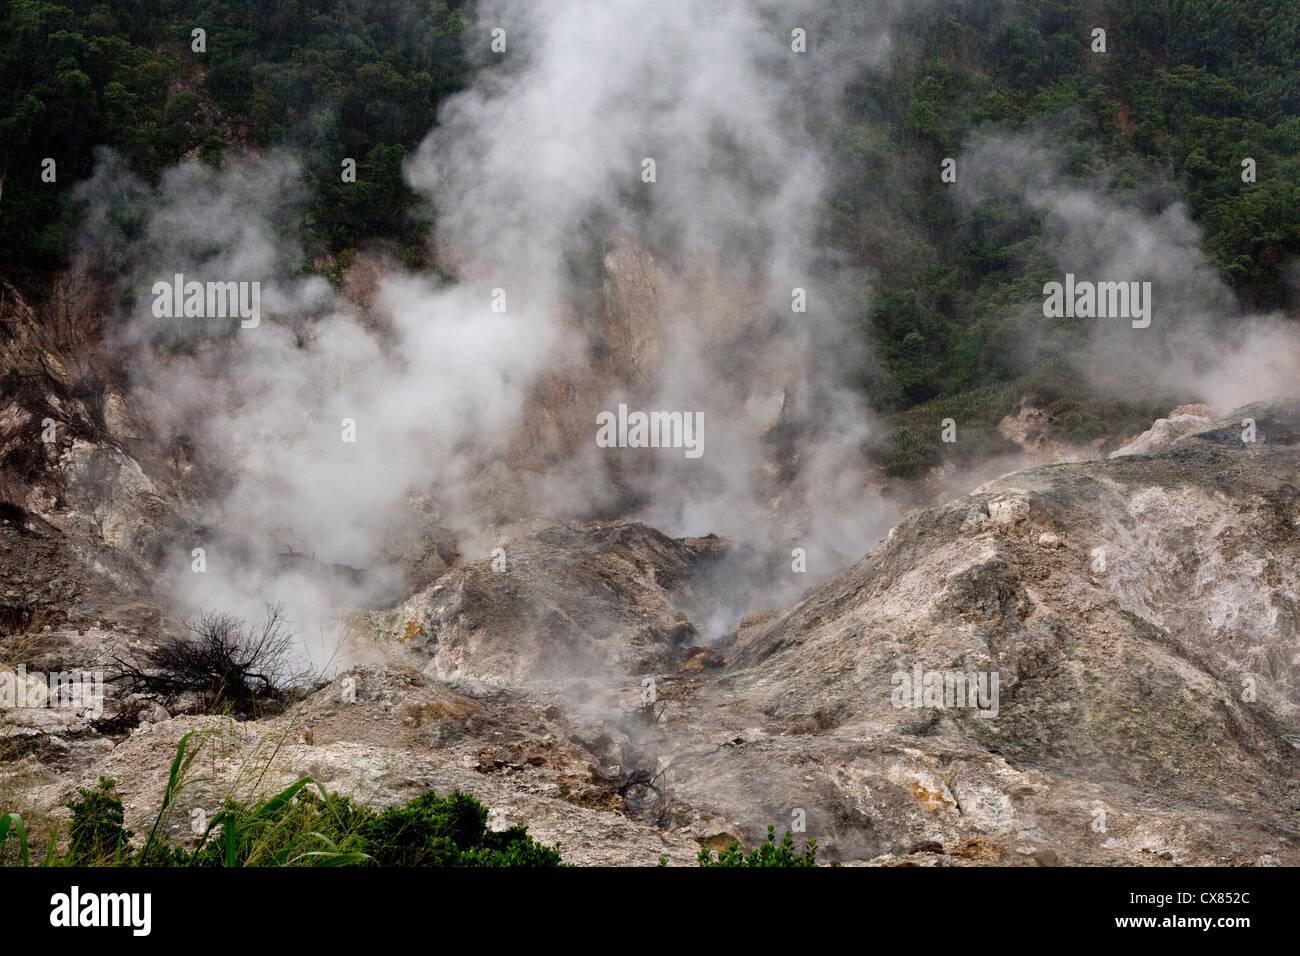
230,834
181,763
20,833
272,806
52,851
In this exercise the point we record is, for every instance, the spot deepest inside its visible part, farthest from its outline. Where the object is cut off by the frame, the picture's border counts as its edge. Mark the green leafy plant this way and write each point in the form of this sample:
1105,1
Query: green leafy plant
768,853
302,825
15,822
305,826
98,837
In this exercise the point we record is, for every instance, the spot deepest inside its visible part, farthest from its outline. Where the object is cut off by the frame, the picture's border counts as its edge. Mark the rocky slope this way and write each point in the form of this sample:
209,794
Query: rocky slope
1141,615
1139,612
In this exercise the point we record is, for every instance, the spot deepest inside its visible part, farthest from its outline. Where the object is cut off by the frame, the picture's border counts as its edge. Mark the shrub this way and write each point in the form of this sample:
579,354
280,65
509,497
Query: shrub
231,665
97,835
328,829
294,827
768,853
449,831
299,827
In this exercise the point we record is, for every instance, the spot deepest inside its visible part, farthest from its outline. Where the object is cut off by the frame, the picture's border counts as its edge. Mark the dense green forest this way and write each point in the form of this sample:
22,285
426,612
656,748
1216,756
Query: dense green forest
331,79
1189,87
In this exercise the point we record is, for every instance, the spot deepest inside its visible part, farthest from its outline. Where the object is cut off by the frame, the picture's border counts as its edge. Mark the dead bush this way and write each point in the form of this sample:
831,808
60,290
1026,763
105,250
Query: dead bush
231,665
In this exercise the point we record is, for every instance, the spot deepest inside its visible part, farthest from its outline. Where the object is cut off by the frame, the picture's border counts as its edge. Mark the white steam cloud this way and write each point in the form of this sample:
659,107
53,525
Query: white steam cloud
670,295
1200,344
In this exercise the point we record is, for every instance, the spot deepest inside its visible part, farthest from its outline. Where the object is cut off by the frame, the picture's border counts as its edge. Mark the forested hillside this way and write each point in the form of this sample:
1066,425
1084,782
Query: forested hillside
331,79
1183,93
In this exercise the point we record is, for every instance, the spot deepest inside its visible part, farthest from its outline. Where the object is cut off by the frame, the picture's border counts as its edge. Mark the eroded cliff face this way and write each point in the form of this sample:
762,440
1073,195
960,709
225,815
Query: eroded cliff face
1139,614
87,497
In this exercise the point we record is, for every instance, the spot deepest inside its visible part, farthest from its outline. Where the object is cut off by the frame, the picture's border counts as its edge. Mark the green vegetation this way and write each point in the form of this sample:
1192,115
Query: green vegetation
96,831
1074,414
299,826
332,79
768,853
1186,90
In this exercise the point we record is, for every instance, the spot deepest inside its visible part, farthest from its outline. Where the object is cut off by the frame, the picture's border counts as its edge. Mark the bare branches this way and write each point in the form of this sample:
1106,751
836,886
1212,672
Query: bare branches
230,664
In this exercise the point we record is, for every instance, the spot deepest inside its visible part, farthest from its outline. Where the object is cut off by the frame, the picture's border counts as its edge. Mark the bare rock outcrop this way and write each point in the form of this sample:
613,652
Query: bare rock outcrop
603,599
1141,616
